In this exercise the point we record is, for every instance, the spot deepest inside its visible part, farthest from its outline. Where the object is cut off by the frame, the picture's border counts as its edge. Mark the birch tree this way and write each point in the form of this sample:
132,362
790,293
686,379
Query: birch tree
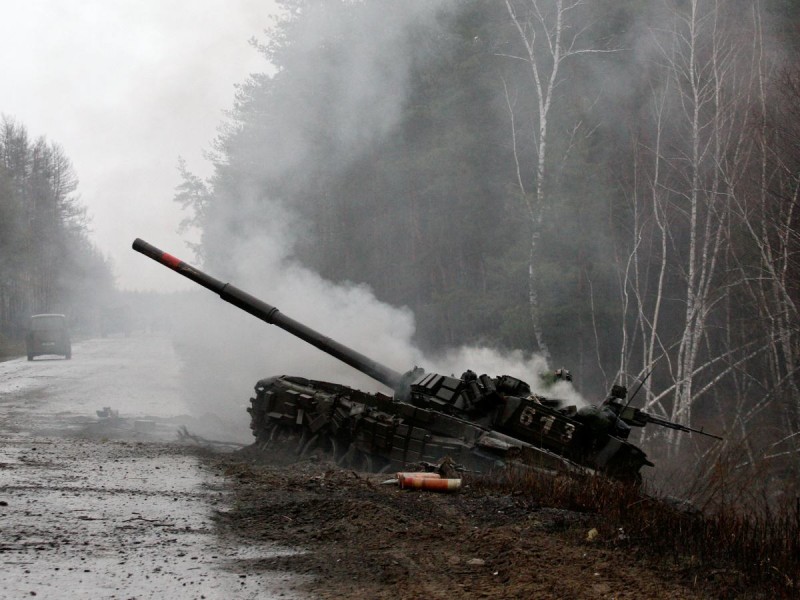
769,213
692,160
551,35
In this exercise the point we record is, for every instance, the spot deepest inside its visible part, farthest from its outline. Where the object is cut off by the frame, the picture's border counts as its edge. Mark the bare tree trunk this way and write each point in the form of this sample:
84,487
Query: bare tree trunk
694,171
548,38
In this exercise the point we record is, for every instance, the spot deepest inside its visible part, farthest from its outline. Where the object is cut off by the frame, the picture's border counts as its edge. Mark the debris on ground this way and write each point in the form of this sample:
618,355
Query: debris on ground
363,539
185,436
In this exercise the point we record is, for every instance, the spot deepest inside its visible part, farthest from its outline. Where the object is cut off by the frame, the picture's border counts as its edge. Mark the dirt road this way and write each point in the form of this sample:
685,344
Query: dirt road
112,506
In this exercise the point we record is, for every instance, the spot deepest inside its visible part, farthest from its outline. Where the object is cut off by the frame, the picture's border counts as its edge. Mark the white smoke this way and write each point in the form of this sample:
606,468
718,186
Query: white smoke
227,350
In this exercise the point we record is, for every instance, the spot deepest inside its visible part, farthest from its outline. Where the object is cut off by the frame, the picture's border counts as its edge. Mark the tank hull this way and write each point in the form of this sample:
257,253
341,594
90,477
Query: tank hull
374,432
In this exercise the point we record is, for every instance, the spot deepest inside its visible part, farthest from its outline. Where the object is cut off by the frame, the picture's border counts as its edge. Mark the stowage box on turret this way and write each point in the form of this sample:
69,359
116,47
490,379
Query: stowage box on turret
479,421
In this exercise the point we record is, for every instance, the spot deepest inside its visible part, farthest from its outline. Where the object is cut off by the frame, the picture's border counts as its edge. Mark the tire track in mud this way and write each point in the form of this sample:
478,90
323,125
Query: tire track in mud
94,507
118,519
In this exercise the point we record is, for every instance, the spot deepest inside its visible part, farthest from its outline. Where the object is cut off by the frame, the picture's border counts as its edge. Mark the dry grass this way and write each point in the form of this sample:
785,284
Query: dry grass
738,530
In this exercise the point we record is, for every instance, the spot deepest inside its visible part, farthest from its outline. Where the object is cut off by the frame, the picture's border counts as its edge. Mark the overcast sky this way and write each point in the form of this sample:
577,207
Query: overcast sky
126,87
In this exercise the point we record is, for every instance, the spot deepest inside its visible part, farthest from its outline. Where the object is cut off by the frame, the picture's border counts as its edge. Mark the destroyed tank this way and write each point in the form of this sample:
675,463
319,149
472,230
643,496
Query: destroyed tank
480,422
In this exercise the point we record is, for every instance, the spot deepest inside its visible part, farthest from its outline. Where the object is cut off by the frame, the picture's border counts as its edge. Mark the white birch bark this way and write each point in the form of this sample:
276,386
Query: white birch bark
692,181
548,39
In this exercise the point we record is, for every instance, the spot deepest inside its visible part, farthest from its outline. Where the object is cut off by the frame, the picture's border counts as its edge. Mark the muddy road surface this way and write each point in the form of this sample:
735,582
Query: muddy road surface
98,496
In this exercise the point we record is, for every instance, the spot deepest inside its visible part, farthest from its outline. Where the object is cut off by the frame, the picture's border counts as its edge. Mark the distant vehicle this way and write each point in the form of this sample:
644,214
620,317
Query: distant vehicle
47,334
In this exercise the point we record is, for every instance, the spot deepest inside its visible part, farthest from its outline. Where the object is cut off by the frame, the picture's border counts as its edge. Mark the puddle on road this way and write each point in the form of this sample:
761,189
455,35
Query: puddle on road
93,519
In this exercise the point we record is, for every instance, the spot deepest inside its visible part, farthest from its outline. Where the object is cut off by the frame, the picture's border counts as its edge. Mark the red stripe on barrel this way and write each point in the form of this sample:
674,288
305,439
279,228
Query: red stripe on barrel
170,260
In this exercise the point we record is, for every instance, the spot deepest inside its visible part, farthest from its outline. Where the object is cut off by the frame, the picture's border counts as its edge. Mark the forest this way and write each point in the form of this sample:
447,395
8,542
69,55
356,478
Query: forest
47,262
612,186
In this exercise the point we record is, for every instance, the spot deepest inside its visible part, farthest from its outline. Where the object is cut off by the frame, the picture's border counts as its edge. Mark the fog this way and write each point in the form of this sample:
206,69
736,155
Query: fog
226,351
126,87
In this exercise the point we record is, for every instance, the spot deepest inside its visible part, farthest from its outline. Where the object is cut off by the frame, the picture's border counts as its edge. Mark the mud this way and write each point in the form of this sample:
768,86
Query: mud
118,519
113,507
369,540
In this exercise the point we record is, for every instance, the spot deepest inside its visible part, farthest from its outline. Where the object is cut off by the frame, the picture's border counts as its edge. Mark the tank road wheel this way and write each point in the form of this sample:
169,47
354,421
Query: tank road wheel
346,460
366,460
310,445
264,436
276,436
322,444
358,460
274,433
301,443
334,445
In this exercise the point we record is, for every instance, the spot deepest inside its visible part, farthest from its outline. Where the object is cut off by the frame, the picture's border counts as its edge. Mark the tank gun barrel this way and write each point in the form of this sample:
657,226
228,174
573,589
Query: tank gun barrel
679,427
273,316
639,418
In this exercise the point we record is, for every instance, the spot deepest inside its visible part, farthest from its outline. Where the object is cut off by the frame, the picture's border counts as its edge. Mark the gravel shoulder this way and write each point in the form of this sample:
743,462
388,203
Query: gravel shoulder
119,519
100,502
